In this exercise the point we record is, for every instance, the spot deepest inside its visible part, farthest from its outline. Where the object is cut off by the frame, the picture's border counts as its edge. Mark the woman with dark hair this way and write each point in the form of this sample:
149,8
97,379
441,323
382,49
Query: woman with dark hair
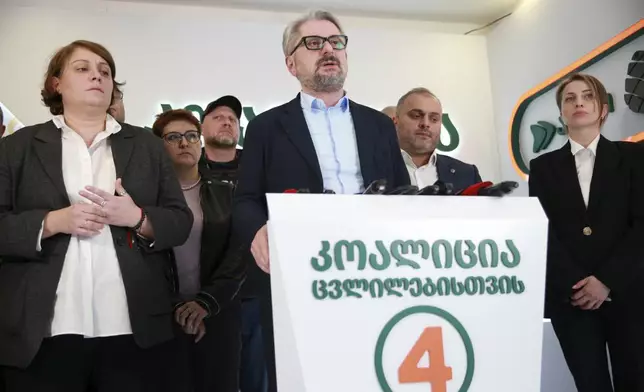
592,190
209,266
89,209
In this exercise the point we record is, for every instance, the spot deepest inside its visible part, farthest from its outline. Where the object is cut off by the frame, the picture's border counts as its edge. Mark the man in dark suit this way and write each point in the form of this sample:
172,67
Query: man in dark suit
320,141
418,122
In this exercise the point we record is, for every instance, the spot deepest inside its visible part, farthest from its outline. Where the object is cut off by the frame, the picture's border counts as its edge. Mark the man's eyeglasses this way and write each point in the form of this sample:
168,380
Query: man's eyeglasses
315,42
192,137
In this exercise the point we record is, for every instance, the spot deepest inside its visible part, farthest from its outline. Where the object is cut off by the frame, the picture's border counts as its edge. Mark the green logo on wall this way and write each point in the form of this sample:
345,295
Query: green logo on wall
249,113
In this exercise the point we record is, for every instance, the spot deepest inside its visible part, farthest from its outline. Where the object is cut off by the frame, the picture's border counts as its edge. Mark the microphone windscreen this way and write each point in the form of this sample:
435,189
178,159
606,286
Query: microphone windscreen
500,189
473,190
403,190
377,187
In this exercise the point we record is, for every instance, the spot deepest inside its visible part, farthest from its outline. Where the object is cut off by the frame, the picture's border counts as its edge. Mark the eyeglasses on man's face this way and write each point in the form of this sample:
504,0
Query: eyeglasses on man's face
315,42
174,138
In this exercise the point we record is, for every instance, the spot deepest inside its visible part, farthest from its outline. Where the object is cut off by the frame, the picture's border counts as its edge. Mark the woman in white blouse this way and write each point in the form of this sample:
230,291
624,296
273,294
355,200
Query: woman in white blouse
89,209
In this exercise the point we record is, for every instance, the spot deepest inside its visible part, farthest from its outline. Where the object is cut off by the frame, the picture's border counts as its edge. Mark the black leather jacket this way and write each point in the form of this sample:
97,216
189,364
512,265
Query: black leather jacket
227,172
222,269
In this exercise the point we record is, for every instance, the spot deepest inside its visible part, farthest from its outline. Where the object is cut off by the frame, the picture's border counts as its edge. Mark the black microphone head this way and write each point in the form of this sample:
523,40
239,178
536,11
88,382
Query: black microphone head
444,189
403,190
377,187
498,190
509,186
429,190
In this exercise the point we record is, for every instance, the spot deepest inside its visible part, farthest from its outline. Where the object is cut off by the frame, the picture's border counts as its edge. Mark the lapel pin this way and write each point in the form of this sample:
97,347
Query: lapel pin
452,171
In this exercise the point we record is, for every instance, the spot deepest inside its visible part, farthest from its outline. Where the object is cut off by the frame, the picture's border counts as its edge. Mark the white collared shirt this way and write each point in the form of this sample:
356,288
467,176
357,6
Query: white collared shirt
90,298
585,162
423,176
334,139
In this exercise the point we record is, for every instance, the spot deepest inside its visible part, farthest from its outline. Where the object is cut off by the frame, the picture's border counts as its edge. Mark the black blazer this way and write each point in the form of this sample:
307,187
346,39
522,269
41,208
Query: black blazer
31,184
279,154
606,239
458,173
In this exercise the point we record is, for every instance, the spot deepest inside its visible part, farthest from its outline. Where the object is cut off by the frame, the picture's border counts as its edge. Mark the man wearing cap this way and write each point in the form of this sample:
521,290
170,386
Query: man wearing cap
220,159
320,141
220,125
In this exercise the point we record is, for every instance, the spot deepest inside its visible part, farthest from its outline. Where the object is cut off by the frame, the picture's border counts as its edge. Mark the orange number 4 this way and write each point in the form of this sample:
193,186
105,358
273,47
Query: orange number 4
436,374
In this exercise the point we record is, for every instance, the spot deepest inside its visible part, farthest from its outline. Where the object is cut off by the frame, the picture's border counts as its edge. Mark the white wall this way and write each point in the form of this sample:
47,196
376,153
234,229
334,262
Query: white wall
539,39
187,55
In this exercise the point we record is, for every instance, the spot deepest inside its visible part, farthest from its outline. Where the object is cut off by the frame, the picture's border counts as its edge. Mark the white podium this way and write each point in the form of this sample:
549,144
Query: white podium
407,293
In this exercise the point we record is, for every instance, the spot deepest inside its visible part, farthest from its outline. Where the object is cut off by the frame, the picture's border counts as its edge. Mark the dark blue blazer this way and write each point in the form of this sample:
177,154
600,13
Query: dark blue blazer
279,155
460,174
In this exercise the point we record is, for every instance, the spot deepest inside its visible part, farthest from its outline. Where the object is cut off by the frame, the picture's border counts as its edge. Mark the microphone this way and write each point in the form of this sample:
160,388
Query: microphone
501,189
377,187
306,190
432,190
445,188
487,188
403,190
301,190
439,188
473,190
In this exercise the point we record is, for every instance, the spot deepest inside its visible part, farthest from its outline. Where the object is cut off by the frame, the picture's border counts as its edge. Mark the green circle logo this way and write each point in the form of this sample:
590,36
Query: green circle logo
424,309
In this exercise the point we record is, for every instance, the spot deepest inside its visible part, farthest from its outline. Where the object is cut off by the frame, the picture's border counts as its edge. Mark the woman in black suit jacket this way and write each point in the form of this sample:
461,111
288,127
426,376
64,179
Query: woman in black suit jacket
89,209
592,192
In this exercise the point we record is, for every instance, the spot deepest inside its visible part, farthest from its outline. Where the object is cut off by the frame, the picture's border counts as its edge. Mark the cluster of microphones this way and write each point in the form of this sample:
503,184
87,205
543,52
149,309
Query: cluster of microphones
485,188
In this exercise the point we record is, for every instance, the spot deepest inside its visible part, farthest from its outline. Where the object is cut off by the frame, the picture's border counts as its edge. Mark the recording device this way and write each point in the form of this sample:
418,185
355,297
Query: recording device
501,189
301,190
403,190
487,188
439,188
377,187
473,190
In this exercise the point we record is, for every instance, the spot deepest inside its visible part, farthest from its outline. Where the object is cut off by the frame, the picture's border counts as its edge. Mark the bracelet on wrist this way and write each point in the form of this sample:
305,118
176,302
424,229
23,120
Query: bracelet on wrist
137,227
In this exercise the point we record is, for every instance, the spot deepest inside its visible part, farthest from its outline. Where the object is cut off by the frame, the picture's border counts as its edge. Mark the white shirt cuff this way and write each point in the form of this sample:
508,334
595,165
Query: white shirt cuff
42,228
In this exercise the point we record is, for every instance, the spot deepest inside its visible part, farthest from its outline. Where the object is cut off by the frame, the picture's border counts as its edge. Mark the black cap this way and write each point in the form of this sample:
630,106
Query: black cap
228,101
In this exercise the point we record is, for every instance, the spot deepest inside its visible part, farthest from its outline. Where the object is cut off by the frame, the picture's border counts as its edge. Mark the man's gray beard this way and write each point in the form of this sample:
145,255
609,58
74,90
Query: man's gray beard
325,83
221,143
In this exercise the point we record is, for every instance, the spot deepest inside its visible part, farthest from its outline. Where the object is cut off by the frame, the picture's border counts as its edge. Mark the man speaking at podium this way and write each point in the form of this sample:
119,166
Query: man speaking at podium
319,141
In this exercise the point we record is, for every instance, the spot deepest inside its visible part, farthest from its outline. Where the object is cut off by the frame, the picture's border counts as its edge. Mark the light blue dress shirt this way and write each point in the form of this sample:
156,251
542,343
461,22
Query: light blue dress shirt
334,139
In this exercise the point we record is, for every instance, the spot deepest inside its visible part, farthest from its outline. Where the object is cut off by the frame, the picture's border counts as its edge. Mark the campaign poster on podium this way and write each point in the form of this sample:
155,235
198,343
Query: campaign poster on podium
407,293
